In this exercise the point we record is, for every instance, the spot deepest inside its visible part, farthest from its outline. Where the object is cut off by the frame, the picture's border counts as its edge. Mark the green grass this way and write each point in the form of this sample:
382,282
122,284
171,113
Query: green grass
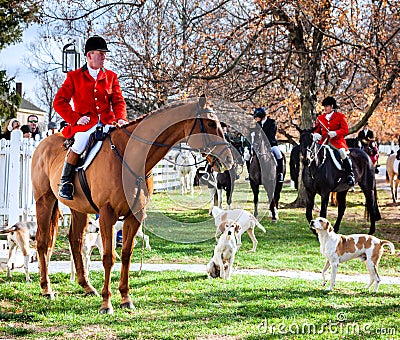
181,305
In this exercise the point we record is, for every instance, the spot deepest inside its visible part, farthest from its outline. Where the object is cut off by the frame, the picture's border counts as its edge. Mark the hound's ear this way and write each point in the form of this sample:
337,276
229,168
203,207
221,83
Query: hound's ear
202,101
329,227
221,228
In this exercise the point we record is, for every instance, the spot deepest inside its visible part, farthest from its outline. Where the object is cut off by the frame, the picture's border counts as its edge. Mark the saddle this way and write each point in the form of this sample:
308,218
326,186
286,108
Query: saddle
96,138
93,146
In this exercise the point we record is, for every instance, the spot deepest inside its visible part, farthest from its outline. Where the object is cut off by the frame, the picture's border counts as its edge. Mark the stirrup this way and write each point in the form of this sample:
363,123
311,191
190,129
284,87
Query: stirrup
279,177
350,180
66,191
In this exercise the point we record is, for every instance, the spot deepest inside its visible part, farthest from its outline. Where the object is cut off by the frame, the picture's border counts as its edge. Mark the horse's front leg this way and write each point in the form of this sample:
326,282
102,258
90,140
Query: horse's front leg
78,223
341,199
47,227
107,220
310,205
256,190
324,204
129,231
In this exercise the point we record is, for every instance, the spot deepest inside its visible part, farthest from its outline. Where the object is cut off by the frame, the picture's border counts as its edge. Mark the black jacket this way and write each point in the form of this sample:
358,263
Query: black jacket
269,127
365,136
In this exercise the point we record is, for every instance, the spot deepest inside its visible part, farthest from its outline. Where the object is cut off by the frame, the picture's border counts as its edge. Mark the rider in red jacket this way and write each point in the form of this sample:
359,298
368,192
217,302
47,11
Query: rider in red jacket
97,98
331,127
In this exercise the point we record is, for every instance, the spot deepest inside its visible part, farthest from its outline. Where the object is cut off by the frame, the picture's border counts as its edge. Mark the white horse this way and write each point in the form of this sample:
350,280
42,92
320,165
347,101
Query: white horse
186,164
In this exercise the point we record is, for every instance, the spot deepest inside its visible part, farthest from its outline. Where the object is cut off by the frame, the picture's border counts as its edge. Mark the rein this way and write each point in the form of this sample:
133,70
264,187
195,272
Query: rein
188,165
312,152
208,146
139,179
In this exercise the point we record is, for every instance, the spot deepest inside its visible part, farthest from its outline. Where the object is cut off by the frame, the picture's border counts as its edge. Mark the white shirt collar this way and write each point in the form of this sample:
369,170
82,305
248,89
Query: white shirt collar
329,115
94,73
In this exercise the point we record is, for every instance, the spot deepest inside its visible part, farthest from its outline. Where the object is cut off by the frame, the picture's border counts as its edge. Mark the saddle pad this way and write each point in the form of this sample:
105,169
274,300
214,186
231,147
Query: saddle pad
334,159
93,152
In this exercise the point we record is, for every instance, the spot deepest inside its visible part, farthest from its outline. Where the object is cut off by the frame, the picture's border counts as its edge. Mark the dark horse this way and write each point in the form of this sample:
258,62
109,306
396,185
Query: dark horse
294,165
223,181
321,175
257,177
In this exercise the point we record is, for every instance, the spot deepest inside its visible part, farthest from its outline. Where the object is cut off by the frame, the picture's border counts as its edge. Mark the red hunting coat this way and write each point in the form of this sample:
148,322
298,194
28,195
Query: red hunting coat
337,123
90,98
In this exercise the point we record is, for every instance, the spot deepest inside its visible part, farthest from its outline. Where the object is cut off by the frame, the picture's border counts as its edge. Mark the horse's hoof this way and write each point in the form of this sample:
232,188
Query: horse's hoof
92,293
50,296
274,220
128,305
106,311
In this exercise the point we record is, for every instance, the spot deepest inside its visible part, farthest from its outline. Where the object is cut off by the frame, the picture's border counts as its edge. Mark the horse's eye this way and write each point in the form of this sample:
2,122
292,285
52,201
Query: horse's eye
212,125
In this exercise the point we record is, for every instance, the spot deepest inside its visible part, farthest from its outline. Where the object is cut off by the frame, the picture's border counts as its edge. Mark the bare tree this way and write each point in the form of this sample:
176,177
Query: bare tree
283,55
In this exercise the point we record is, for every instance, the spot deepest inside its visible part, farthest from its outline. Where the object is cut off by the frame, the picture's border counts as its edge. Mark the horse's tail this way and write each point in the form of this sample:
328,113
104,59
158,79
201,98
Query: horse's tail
376,207
55,216
390,244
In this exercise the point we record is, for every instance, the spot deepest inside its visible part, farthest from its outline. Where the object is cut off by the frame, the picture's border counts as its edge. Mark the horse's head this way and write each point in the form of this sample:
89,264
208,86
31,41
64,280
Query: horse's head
205,134
306,142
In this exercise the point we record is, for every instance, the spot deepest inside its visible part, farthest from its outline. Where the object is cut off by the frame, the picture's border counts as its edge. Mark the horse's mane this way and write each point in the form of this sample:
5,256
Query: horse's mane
169,106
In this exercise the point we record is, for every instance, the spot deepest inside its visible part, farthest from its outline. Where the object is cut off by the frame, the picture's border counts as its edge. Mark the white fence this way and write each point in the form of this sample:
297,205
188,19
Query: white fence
16,196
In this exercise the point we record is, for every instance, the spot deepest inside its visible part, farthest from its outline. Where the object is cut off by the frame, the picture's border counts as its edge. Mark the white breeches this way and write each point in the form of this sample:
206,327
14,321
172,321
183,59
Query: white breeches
81,140
343,153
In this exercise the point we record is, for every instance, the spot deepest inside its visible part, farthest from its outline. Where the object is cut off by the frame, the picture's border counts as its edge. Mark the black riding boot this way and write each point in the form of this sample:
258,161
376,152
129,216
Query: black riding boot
348,168
66,187
279,170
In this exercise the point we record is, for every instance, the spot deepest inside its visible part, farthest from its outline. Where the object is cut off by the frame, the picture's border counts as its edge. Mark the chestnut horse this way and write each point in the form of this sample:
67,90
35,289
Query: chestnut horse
392,174
121,183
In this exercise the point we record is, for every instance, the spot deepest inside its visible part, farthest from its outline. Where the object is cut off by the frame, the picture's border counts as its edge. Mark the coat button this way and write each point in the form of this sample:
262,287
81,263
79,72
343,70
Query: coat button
97,107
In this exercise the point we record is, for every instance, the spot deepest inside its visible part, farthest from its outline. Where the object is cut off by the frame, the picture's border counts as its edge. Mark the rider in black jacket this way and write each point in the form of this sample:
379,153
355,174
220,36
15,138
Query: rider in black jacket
269,127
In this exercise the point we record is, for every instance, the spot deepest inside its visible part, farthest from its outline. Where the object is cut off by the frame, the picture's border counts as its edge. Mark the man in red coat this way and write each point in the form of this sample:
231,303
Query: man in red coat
97,98
331,127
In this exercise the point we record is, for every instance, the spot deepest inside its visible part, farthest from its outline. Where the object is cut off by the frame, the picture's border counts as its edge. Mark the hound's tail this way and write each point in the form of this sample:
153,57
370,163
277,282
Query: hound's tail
390,244
258,224
9,229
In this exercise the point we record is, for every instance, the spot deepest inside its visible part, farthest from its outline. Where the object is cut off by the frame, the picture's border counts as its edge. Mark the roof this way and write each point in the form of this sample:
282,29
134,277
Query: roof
27,105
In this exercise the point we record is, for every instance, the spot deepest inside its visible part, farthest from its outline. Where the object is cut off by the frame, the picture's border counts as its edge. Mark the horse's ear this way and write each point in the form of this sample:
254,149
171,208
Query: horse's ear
202,101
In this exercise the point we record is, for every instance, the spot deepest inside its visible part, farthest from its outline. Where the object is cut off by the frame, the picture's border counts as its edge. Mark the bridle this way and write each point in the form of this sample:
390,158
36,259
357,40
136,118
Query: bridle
312,152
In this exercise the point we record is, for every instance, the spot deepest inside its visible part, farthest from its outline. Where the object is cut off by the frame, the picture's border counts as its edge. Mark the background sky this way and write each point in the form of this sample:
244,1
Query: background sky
11,60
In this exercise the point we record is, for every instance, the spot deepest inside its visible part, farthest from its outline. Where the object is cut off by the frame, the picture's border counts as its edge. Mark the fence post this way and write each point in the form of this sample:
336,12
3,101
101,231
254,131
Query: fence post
14,178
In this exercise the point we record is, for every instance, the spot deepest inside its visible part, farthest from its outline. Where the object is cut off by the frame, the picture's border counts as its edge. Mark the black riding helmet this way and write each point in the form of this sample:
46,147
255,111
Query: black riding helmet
329,101
96,43
259,112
